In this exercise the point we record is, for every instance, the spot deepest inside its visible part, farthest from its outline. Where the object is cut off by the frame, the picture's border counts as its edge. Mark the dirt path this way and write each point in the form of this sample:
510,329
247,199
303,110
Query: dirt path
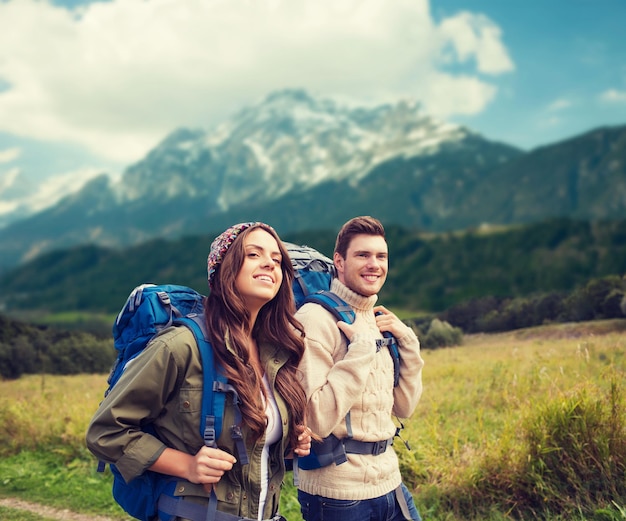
49,512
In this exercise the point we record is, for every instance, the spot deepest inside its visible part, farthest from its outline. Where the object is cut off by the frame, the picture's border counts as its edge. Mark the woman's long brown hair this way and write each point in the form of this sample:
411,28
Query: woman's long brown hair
275,323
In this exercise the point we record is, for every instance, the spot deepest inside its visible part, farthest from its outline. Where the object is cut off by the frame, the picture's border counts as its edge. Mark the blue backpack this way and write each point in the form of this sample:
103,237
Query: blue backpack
313,275
148,310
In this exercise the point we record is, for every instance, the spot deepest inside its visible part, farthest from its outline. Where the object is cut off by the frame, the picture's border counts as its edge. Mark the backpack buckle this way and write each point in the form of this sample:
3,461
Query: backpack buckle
209,432
379,447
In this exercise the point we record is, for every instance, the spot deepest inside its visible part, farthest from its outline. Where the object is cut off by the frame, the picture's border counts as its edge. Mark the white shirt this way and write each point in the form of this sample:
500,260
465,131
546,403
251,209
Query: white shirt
273,433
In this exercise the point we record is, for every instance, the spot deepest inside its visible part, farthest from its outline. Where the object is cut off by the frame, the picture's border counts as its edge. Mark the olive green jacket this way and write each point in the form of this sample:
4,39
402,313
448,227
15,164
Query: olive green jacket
163,387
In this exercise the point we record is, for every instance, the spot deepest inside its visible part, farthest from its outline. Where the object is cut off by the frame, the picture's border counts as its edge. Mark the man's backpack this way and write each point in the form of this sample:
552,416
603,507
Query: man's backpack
313,274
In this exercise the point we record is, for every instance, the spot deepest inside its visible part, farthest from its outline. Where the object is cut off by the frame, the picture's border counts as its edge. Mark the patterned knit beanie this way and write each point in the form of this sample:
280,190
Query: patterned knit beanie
222,242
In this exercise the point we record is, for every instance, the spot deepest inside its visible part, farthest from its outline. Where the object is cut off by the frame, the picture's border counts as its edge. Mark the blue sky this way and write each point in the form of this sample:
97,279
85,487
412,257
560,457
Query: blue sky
87,87
570,68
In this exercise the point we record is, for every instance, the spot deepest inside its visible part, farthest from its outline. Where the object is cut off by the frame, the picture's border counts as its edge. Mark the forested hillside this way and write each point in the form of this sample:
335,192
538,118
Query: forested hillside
428,273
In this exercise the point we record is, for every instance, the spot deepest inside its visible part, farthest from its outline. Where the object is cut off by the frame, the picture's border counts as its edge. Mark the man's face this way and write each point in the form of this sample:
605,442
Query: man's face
364,270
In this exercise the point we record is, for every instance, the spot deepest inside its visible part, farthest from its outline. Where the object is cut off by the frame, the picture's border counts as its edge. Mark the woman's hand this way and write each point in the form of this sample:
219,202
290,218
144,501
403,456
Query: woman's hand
303,448
206,467
209,465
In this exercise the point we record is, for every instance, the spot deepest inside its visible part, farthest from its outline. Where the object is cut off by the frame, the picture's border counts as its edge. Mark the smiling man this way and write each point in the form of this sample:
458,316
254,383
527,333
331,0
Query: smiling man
353,391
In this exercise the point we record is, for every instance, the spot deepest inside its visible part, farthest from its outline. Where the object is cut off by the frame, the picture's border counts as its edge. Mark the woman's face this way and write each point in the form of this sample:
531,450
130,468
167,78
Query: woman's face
260,276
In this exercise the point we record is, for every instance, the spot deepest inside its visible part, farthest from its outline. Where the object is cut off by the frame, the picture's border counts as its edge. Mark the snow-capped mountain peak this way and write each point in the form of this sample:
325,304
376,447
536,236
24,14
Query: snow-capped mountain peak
288,141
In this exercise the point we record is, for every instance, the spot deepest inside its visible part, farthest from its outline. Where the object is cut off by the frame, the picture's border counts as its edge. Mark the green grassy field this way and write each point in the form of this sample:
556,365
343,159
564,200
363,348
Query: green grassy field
523,425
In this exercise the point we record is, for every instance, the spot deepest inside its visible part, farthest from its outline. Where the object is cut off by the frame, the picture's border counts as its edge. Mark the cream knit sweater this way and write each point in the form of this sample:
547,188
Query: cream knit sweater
339,378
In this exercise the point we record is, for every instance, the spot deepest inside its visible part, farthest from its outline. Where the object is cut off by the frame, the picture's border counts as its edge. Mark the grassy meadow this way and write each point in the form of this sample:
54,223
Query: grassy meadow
528,424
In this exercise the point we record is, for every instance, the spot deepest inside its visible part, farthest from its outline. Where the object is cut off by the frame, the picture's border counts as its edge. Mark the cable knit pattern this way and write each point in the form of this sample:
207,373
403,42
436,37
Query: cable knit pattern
339,378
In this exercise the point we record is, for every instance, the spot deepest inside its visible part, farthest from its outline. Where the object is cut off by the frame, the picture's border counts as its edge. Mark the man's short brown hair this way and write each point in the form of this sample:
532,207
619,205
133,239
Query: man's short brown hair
363,225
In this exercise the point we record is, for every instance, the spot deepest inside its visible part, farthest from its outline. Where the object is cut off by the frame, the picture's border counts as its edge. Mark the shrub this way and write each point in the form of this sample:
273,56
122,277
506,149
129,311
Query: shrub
611,305
593,300
548,307
599,299
441,334
17,358
467,314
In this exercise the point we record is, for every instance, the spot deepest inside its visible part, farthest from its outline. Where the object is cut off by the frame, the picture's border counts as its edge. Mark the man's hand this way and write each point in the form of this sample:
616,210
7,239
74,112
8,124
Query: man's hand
385,321
347,329
388,321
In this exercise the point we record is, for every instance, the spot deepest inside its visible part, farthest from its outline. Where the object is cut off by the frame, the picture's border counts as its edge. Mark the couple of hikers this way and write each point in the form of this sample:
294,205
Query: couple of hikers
299,378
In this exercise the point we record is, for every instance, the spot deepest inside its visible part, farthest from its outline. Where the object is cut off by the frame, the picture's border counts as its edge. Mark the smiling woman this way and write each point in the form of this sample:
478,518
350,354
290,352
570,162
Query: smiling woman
257,344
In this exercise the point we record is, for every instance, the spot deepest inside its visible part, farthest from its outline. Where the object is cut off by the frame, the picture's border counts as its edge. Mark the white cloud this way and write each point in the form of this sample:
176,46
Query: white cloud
613,96
9,154
117,76
476,36
447,95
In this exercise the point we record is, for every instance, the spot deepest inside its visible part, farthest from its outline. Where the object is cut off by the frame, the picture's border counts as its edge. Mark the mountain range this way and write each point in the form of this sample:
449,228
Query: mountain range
302,163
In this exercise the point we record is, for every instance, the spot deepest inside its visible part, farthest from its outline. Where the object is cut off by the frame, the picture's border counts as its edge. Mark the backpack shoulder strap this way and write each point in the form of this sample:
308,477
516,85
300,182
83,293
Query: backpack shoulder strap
213,406
334,304
341,310
390,341
215,384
